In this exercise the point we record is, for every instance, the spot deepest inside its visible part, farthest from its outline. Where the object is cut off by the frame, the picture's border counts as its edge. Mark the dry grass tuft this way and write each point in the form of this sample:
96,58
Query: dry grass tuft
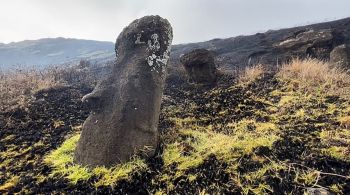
314,76
18,86
251,73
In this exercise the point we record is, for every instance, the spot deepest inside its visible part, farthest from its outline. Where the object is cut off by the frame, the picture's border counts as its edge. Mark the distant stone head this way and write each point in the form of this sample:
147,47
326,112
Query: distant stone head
340,57
200,66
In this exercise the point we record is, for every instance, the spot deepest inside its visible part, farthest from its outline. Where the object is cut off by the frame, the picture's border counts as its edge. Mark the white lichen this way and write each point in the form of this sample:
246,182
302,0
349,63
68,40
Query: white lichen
153,44
158,62
150,61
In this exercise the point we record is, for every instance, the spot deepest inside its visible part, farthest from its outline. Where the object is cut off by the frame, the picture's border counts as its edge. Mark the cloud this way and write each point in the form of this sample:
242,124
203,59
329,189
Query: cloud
192,20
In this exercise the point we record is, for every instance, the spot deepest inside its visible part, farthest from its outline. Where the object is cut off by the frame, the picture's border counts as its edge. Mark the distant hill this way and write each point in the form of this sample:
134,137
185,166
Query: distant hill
52,51
267,48
231,53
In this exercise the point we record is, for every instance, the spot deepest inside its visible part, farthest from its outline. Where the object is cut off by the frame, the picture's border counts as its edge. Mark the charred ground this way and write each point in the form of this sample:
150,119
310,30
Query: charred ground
259,136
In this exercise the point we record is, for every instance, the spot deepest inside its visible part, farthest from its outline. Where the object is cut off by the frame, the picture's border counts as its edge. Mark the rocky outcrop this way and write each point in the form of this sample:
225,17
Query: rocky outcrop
200,66
271,47
126,105
340,57
311,43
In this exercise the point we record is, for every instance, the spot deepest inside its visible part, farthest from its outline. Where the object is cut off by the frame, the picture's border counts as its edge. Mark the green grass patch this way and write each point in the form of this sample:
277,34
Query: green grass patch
10,183
195,145
61,161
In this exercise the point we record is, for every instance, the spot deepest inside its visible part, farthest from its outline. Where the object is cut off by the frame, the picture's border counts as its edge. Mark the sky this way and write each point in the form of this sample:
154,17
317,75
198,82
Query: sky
192,20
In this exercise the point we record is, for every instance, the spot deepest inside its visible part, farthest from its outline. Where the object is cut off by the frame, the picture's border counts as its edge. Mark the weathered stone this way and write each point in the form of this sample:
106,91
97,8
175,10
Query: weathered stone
317,191
340,57
126,106
311,43
200,66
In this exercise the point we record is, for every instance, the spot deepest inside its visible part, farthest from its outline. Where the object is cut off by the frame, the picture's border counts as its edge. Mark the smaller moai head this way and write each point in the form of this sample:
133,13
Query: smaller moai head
200,66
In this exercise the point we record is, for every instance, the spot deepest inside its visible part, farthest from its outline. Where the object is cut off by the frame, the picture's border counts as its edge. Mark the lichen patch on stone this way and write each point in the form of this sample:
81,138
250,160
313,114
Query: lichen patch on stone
158,62
153,43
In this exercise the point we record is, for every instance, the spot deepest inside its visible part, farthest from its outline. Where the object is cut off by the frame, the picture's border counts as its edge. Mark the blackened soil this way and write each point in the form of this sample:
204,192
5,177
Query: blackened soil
27,135
37,130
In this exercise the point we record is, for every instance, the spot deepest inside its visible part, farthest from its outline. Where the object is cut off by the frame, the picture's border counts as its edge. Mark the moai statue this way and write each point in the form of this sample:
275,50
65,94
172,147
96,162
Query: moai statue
125,106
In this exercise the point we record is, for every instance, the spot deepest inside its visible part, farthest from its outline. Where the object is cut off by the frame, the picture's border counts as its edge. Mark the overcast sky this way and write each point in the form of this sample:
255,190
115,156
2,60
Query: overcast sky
192,20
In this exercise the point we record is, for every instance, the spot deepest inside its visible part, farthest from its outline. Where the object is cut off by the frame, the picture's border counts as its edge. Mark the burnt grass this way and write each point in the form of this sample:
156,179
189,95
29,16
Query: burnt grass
31,133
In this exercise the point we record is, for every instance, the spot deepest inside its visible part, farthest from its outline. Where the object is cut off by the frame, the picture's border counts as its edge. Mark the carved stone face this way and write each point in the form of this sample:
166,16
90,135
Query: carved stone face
125,106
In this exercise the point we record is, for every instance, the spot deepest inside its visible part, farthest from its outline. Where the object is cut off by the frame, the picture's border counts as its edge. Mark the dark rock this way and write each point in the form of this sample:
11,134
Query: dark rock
310,43
200,67
318,191
126,105
340,57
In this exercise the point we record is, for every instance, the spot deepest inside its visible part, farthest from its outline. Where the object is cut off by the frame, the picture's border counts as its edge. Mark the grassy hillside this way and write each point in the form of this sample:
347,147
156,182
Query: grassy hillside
258,133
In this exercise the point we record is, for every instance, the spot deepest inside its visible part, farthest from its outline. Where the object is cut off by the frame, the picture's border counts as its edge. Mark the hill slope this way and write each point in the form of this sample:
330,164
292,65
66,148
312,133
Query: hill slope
240,51
52,51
